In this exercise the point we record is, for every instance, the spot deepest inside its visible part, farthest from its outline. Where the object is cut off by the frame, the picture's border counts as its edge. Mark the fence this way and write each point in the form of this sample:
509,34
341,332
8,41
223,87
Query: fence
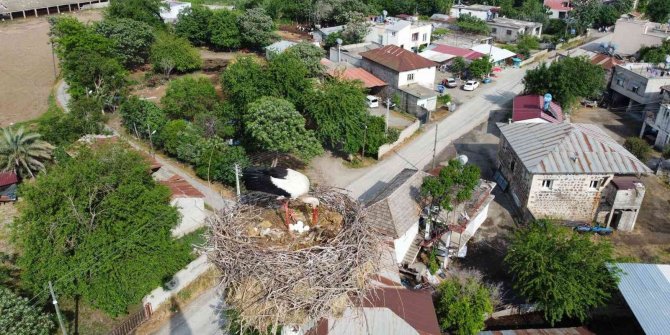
404,134
534,57
132,322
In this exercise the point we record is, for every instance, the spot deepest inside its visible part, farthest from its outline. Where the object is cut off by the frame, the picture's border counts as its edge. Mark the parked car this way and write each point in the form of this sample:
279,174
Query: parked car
372,101
589,103
450,82
388,102
470,85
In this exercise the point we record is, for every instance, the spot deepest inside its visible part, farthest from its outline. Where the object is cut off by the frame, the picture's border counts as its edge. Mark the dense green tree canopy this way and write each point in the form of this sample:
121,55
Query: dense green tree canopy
132,39
273,124
310,55
147,11
462,305
585,13
95,225
224,31
193,24
453,185
175,133
564,273
142,117
216,161
256,28
559,80
472,24
18,317
655,55
84,117
356,28
244,81
170,53
375,135
289,78
481,67
186,97
658,10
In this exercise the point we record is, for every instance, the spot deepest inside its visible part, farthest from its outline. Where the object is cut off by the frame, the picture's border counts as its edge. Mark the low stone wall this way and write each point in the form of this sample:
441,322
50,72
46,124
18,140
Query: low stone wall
404,134
179,281
534,57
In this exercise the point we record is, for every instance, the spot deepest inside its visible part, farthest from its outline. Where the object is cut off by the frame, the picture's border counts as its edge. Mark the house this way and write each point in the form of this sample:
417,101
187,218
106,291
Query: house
187,199
646,290
174,8
409,35
277,48
509,30
462,40
620,202
407,74
349,72
639,85
481,12
321,34
12,9
497,55
8,186
659,122
559,8
351,53
536,108
443,54
560,170
632,34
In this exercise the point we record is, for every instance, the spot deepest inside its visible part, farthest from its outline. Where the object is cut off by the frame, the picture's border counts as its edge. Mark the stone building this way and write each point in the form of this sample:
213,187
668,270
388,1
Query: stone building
560,170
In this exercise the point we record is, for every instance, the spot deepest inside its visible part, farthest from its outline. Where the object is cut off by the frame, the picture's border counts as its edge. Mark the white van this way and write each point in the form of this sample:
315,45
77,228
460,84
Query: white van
373,101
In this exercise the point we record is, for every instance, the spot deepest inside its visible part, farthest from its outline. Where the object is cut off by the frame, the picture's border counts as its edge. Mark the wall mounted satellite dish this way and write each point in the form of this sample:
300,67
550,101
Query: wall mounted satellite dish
339,41
463,159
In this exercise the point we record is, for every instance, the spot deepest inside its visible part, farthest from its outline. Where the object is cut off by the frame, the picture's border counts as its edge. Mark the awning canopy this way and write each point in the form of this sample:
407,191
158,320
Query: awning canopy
496,54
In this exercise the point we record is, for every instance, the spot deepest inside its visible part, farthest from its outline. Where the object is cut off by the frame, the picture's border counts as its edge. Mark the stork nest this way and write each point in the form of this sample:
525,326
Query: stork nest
291,281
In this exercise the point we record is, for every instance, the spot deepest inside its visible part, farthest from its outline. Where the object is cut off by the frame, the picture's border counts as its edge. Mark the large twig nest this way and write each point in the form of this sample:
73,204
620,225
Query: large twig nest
289,279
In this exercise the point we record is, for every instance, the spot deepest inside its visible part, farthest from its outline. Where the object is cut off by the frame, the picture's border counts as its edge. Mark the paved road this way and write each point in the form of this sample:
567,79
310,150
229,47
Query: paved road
199,317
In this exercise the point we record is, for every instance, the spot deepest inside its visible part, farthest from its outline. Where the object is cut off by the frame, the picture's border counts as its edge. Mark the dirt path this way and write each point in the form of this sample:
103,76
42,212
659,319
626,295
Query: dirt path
27,68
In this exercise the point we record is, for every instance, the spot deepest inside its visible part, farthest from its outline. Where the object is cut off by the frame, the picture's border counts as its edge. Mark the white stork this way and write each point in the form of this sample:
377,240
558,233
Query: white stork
283,182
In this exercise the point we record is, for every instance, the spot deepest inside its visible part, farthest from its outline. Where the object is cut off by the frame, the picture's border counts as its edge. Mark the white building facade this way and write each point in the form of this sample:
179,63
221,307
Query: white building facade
405,34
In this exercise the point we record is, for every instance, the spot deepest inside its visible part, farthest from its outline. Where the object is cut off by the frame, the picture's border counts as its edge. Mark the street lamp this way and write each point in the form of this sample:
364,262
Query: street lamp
339,43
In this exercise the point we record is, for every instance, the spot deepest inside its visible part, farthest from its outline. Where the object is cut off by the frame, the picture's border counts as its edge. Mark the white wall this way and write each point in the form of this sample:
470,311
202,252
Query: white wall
402,38
193,215
402,244
429,103
457,12
535,120
424,77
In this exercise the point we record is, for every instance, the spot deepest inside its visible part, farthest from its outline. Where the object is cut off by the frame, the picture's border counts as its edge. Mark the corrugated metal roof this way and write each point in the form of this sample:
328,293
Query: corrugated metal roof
526,107
456,51
397,58
367,78
646,288
181,188
569,148
9,6
8,178
280,46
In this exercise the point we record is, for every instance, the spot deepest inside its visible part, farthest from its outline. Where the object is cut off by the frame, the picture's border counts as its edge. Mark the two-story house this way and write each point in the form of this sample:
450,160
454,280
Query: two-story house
659,122
559,170
559,9
638,85
409,35
509,30
407,74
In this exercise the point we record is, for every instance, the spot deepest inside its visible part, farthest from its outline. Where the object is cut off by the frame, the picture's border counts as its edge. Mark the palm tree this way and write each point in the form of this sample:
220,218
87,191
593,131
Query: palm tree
23,153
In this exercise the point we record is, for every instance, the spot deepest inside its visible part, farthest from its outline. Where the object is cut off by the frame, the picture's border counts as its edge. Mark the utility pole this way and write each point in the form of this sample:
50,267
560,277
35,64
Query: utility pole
388,107
365,138
435,145
237,179
53,60
151,142
55,302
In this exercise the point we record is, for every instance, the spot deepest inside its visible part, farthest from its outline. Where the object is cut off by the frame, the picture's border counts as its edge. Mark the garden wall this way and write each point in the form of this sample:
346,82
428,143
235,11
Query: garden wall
404,134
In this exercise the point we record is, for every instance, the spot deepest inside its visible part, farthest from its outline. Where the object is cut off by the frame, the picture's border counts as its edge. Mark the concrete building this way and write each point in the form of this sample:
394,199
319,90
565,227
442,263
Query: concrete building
12,9
277,48
560,171
509,30
620,203
481,12
632,34
443,54
639,86
321,34
536,109
351,53
659,122
407,74
409,35
560,9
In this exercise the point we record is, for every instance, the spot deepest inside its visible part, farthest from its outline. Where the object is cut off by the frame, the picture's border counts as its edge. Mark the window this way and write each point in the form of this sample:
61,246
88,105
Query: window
393,33
594,183
494,30
619,82
509,32
410,76
415,37
511,165
635,88
547,184
424,37
380,39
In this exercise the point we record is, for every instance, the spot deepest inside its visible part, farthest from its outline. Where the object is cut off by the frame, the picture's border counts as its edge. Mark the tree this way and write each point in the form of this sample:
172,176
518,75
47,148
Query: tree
289,78
607,16
174,53
217,161
458,65
638,147
356,29
273,124
193,24
23,153
174,134
544,252
224,31
113,223
655,55
244,81
19,317
481,67
375,136
338,110
473,25
310,55
186,97
142,117
132,39
256,28
147,11
452,186
462,304
559,80
84,117
526,43
658,10
585,13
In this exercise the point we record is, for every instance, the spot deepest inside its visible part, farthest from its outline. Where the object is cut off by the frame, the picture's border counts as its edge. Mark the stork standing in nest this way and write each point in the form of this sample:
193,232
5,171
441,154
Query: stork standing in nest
286,183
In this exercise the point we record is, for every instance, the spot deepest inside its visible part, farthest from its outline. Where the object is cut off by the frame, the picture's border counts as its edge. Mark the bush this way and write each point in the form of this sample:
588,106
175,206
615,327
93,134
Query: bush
187,97
133,39
174,133
141,117
60,128
193,24
171,53
462,304
224,31
18,317
217,162
472,24
638,147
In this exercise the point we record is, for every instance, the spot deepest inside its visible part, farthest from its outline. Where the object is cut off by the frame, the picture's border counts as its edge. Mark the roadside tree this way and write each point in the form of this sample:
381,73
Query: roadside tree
463,302
658,10
458,65
479,68
142,117
186,97
244,81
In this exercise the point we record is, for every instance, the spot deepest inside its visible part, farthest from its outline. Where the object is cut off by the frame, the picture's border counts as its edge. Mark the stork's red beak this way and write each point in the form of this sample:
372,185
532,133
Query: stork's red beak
315,215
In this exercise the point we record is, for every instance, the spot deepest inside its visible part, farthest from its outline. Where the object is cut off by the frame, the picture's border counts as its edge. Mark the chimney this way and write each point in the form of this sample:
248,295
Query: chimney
547,101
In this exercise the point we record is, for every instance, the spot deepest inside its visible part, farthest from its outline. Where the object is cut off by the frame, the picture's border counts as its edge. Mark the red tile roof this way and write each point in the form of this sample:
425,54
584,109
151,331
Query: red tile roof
397,58
8,178
558,5
415,307
181,188
458,52
368,79
606,61
527,107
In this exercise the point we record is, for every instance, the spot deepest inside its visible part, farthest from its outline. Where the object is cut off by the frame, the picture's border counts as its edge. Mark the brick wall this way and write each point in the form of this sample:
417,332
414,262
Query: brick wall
570,196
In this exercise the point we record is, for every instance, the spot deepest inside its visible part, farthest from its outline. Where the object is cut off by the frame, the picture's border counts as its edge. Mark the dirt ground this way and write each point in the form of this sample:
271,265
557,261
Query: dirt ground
27,68
7,214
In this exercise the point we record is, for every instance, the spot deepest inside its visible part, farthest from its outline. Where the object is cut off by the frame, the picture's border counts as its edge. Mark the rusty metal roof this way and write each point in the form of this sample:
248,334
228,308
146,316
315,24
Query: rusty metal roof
527,107
397,58
569,148
181,188
8,178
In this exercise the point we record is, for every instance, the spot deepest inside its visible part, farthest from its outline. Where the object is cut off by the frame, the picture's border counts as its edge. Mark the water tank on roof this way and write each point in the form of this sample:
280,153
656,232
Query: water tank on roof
463,159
